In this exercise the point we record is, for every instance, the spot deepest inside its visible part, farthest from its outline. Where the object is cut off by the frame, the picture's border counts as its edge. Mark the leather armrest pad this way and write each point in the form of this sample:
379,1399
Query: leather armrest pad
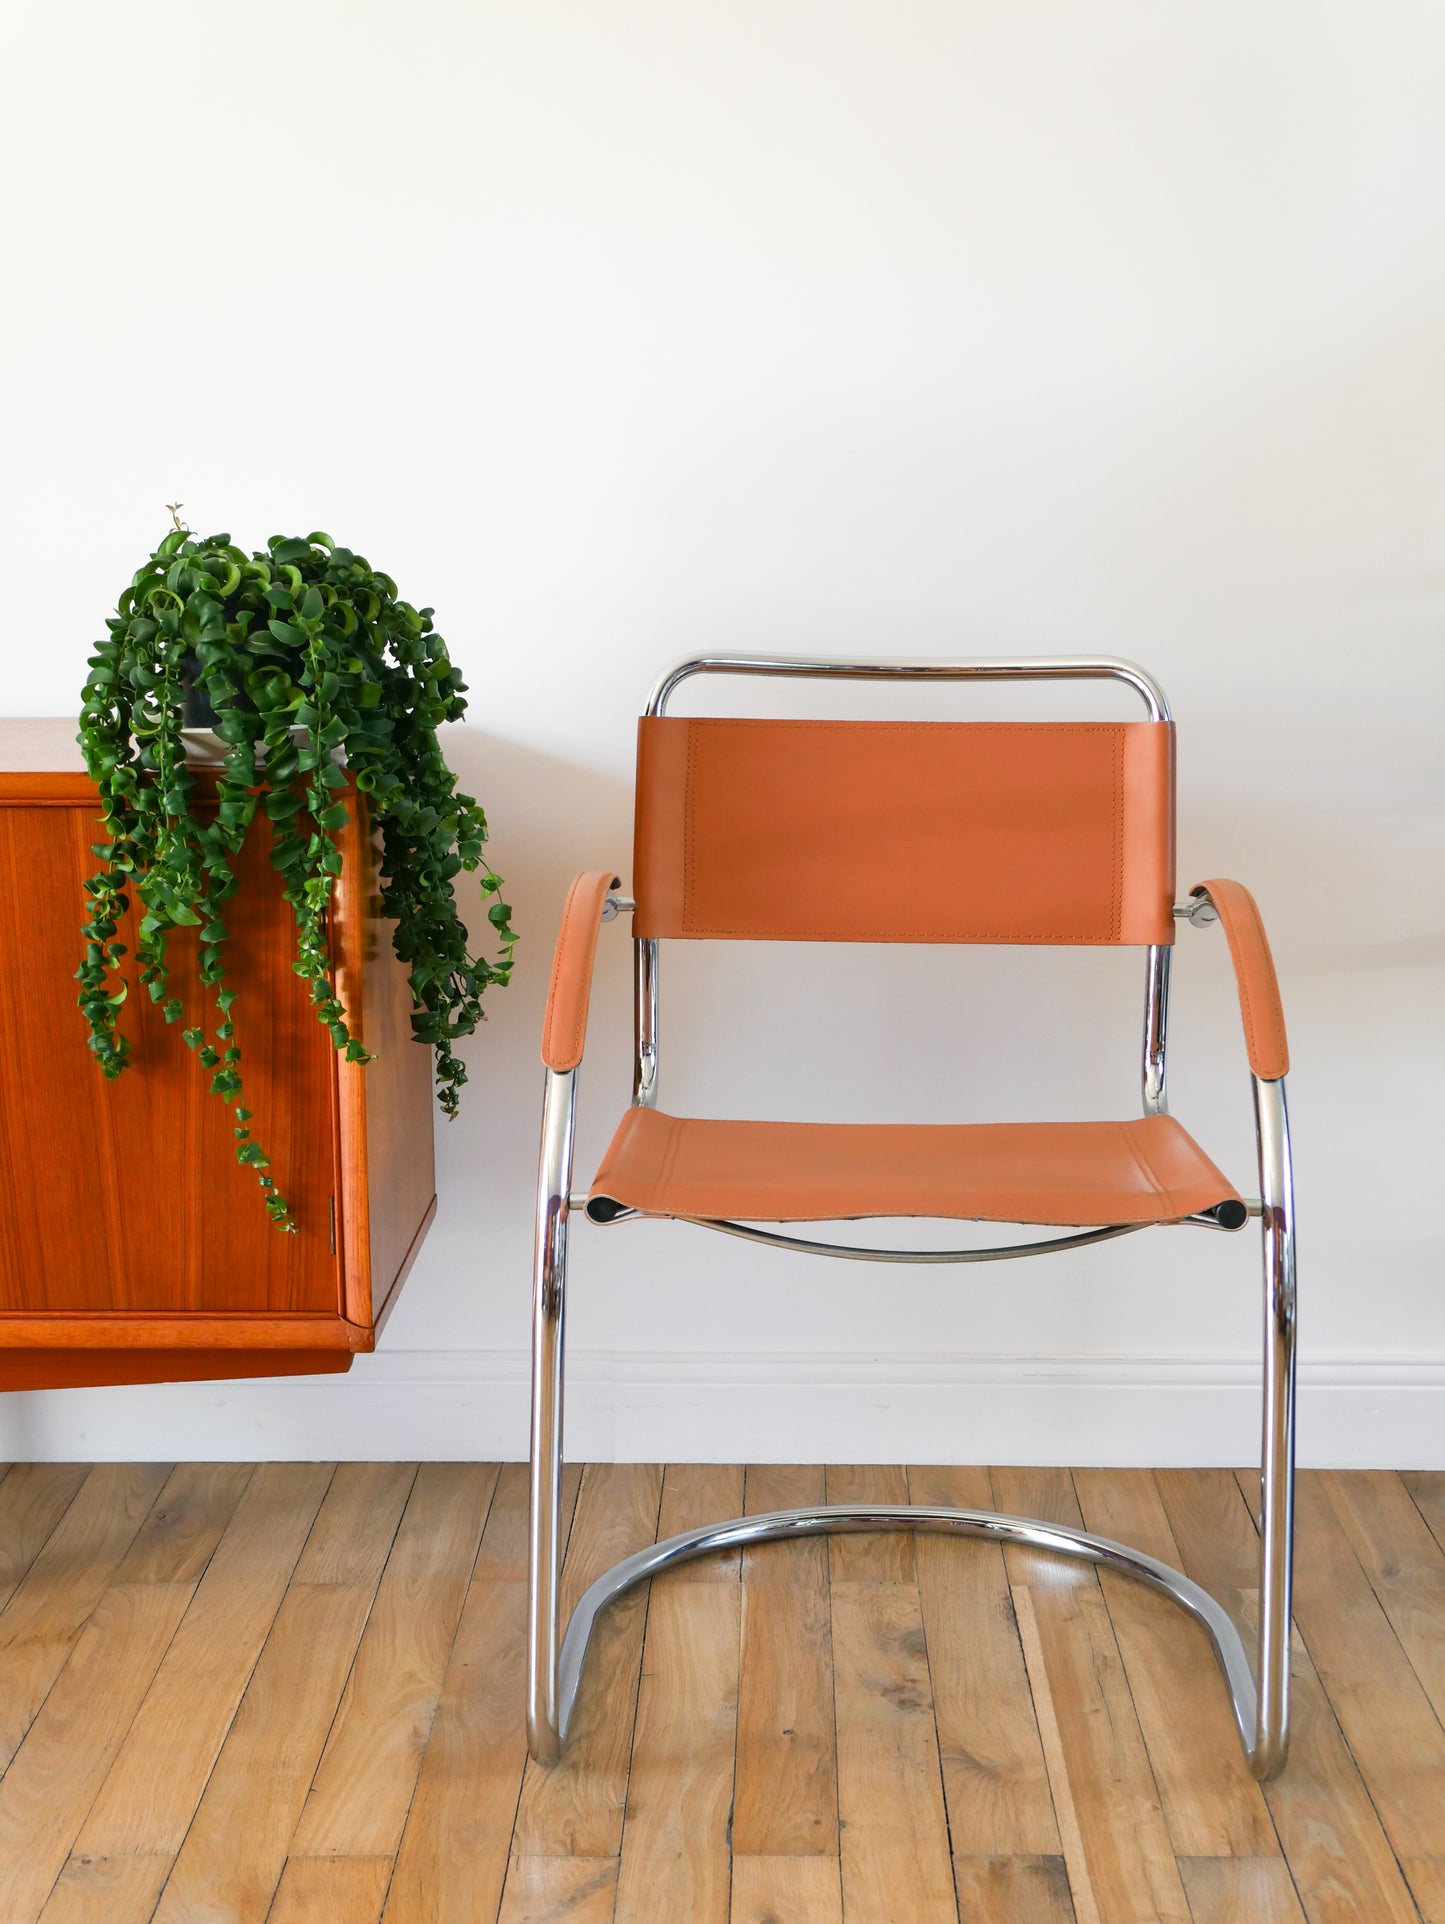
1259,1003
565,1028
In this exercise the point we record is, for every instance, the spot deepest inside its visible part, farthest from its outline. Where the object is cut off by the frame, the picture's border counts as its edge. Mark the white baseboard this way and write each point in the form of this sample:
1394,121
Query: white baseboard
1355,1412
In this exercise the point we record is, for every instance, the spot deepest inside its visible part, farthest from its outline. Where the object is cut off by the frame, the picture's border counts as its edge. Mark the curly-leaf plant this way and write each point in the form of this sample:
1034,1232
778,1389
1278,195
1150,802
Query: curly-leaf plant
308,657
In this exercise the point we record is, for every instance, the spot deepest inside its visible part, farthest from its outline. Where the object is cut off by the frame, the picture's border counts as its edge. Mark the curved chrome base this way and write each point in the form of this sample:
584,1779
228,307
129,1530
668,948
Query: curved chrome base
847,1517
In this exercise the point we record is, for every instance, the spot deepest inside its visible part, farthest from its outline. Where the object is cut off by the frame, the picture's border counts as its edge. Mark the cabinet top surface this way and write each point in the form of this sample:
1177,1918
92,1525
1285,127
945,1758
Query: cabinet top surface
40,746
40,759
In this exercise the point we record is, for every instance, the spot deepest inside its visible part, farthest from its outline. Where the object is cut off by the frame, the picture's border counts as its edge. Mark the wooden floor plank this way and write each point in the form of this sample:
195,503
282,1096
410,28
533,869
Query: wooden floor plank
67,1750
894,1851
1340,1859
141,1606
33,1499
1212,1804
675,1841
356,1524
1404,1563
1427,1493
786,1790
786,1890
235,1850
64,1584
1396,1738
698,1493
995,1785
884,1557
107,1890
1128,1855
237,1844
454,1847
1426,1878
452,1863
503,1552
152,1791
331,1890
1241,1890
179,1535
560,1890
1013,1890
575,1808
358,1803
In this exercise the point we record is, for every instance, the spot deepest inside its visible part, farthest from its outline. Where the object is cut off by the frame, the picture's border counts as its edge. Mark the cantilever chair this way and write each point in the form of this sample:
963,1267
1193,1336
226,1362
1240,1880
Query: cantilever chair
981,832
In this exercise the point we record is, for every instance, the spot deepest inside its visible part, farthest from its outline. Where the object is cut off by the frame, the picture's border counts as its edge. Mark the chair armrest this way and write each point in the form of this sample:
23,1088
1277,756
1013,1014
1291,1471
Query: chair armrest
565,1029
1259,1003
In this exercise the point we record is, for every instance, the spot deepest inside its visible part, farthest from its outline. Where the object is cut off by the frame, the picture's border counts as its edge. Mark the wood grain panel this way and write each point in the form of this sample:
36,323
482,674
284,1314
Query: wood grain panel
1129,1869
894,1851
154,1145
364,1783
1013,1890
1228,1890
675,1843
33,1499
1394,1735
1213,1806
1404,1563
560,1890
994,1781
64,1585
331,1890
459,1829
385,1108
786,1793
802,1890
150,1795
452,1864
68,1749
88,1167
221,1789
106,1890
575,1809
235,1850
884,1557
1340,1859
694,1494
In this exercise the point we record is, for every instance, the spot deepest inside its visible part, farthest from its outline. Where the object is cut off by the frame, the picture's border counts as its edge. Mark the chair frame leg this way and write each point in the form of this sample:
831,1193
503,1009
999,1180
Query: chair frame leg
1276,1482
555,1663
545,1722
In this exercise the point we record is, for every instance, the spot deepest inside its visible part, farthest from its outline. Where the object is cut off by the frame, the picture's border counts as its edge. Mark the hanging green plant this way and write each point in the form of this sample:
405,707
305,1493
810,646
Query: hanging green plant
315,672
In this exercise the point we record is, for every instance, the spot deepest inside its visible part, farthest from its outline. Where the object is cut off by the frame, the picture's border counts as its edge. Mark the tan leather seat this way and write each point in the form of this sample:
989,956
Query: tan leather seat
1147,1170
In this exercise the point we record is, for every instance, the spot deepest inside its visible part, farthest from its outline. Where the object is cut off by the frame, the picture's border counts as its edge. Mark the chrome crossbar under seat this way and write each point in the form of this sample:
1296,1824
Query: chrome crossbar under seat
555,1663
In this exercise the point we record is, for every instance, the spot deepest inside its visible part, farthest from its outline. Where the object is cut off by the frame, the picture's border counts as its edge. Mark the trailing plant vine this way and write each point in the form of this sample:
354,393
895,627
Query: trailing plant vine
317,673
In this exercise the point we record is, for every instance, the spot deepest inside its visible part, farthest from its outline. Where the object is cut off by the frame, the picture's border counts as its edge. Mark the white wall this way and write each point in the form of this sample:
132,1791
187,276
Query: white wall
617,331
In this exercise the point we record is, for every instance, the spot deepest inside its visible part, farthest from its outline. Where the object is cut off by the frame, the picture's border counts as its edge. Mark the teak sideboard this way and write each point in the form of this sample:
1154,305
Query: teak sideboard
133,1247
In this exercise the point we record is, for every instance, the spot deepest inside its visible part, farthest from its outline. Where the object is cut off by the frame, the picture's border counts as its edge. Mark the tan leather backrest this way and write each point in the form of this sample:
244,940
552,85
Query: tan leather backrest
821,831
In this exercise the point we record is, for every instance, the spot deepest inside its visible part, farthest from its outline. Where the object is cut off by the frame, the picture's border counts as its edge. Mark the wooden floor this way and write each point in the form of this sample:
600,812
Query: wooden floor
293,1692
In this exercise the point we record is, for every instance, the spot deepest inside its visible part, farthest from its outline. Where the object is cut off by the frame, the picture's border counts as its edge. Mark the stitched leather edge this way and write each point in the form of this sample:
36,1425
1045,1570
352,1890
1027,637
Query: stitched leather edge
587,894
1240,918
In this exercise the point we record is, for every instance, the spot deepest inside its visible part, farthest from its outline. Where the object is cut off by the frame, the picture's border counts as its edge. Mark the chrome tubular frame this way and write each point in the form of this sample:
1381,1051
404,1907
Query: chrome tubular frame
1276,1478
848,1518
872,1255
555,1663
919,668
549,1303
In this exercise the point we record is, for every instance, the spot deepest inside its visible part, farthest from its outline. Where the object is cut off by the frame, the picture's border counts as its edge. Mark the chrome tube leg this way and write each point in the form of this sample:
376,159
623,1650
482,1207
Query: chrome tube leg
544,1549
1156,1029
1276,1188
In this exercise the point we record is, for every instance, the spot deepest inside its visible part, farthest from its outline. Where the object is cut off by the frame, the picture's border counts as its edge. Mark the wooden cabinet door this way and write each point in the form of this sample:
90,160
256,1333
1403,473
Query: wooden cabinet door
124,1198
